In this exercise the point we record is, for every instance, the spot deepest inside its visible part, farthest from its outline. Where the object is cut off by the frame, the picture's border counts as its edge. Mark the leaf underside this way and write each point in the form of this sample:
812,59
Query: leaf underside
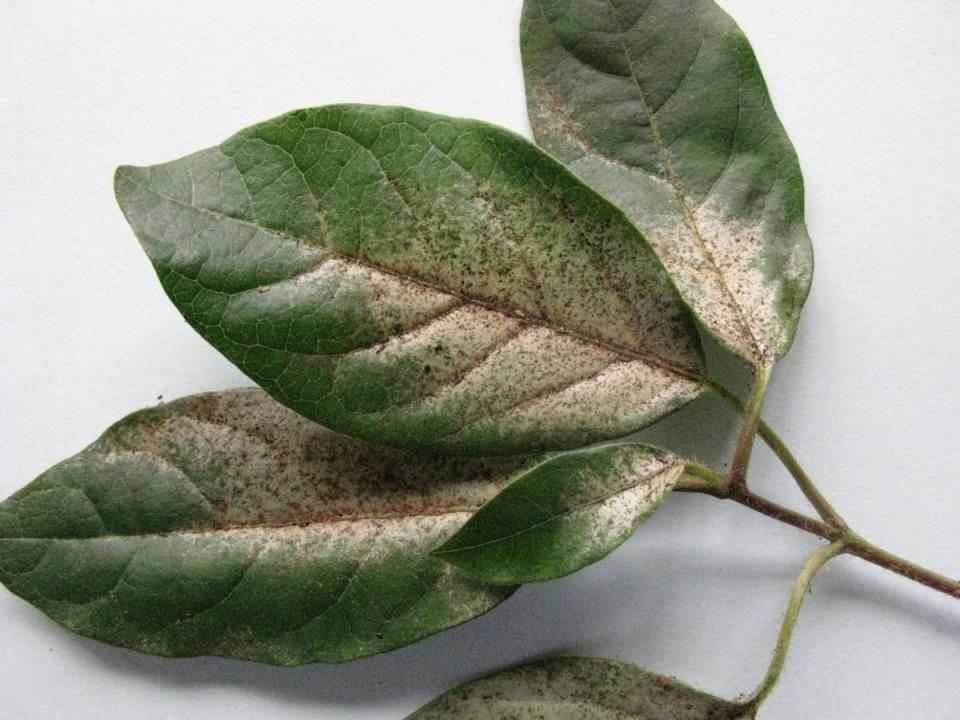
566,513
578,689
226,524
661,106
419,281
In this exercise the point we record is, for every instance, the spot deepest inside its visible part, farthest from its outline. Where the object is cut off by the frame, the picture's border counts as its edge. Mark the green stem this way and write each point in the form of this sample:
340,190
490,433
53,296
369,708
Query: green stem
697,478
832,526
806,485
800,589
751,421
779,448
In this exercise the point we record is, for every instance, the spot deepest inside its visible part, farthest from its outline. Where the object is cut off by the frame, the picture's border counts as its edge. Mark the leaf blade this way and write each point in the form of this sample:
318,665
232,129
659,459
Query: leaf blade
418,281
581,688
225,524
664,109
564,514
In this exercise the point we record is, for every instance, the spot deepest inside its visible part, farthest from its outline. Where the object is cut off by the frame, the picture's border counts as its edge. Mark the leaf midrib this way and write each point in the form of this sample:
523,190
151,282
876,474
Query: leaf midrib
677,185
531,528
670,175
647,358
237,529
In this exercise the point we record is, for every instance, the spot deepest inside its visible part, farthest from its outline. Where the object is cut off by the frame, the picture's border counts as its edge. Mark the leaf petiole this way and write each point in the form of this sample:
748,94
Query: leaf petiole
802,585
751,421
782,452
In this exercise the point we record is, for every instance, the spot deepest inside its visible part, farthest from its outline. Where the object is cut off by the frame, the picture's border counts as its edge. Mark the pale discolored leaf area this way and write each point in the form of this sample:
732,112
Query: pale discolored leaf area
566,513
226,524
578,689
418,281
662,107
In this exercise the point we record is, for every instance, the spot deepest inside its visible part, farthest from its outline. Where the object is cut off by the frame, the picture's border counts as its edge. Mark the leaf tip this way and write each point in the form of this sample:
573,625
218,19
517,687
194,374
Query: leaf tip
123,176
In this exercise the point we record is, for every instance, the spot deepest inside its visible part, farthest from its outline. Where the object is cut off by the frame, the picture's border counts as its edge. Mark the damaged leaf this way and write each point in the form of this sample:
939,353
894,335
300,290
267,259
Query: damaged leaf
661,106
225,524
578,689
566,513
418,281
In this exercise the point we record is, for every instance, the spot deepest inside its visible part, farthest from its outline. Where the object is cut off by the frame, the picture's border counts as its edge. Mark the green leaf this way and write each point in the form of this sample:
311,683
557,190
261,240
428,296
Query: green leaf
418,281
578,689
661,106
225,524
564,514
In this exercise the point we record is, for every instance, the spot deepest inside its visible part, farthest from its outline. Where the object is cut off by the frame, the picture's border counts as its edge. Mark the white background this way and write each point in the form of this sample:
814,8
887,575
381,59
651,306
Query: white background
870,93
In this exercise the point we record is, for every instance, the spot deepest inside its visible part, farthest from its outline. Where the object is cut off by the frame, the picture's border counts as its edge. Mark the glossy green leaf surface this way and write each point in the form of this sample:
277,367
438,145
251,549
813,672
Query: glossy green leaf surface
566,513
578,689
418,281
226,524
661,106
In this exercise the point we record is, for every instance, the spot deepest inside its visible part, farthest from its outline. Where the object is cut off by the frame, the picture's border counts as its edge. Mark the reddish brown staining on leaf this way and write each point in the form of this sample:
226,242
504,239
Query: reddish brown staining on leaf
490,228
551,110
474,361
529,249
553,121
265,466
398,301
704,254
730,287
617,511
618,396
724,245
593,689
